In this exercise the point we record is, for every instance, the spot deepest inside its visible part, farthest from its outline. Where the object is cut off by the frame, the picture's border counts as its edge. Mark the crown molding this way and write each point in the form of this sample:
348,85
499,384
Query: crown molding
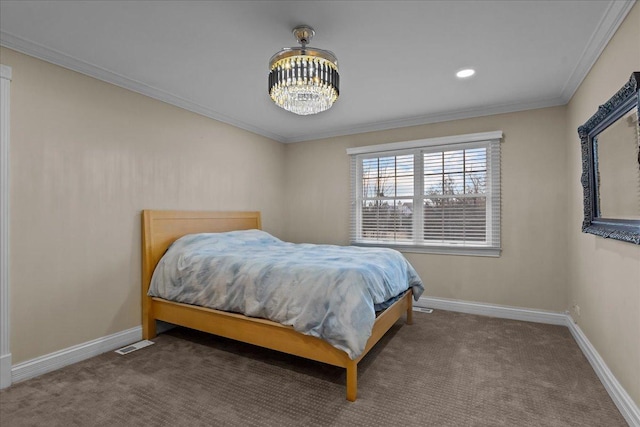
606,28
604,31
430,118
58,58
55,57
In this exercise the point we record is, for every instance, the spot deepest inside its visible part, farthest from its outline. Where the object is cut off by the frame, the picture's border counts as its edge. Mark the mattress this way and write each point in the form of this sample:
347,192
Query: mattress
327,291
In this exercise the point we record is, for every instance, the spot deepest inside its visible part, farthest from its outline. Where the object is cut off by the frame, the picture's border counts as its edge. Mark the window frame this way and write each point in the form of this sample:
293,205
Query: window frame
489,140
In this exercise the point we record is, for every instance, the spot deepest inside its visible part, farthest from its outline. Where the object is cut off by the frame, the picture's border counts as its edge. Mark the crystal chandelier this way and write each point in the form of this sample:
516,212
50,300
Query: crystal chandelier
304,80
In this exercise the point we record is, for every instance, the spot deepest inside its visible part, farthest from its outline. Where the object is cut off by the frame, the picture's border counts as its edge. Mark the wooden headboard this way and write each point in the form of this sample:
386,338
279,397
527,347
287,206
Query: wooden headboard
161,228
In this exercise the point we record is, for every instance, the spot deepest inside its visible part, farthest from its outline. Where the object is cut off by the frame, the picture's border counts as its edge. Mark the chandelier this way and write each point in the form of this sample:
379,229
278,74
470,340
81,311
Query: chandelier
304,80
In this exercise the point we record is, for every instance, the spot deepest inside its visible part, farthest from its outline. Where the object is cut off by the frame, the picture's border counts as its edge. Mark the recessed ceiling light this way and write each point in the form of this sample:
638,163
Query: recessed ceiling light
463,74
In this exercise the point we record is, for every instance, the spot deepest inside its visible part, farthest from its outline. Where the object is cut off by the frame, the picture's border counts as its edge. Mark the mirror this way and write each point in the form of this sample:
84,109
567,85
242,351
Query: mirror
611,166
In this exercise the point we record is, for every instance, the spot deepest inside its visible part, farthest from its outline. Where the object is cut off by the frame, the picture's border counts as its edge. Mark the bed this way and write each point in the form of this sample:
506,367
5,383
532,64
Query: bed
161,228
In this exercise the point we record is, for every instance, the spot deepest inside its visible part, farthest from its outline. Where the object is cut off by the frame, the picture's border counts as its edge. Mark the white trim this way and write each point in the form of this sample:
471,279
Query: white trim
604,31
618,394
433,249
5,72
494,310
429,142
59,359
5,349
620,397
483,111
5,370
71,63
488,141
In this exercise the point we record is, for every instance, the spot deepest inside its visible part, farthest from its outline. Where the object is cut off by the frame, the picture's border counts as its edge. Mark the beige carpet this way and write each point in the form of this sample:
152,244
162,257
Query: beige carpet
447,369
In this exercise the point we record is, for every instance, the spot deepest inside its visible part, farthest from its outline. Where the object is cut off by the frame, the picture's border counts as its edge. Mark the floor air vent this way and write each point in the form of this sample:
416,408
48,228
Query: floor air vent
423,309
133,347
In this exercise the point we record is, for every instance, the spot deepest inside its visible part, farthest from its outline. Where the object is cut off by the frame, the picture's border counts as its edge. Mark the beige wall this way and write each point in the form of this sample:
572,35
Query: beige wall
86,158
532,269
604,277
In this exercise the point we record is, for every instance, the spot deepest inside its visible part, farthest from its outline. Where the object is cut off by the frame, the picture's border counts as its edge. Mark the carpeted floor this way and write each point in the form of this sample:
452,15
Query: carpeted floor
447,369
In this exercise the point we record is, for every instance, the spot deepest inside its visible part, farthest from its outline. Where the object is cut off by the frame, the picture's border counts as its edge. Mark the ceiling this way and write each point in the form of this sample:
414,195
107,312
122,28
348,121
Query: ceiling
397,58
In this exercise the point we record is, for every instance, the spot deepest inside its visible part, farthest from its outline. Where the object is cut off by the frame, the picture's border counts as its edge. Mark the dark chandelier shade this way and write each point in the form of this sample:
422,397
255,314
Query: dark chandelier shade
304,80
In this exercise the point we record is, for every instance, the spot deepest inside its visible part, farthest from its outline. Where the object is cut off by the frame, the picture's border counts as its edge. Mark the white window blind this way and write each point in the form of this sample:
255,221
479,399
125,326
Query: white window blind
440,195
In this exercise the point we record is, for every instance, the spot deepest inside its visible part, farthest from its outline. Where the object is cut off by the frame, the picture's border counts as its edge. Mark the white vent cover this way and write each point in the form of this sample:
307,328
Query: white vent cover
133,347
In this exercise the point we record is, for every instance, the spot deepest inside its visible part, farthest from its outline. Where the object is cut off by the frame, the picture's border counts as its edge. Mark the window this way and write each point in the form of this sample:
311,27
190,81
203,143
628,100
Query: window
439,195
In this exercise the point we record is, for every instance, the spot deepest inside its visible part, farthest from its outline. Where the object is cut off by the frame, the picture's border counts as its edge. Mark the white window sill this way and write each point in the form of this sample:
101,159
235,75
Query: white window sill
441,250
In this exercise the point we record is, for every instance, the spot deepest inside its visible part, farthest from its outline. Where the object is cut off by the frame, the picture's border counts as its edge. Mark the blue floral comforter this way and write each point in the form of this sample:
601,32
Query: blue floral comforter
321,290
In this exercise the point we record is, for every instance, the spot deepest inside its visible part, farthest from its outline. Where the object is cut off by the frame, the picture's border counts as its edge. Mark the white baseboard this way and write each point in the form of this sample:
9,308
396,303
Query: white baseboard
618,394
493,310
59,359
5,370
620,397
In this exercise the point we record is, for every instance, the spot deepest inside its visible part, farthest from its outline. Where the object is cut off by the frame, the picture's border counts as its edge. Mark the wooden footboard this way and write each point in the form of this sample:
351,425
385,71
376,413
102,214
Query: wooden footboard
161,228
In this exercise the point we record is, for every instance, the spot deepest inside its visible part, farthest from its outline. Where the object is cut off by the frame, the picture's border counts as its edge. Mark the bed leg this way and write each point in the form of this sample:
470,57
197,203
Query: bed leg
148,322
352,381
410,309
148,329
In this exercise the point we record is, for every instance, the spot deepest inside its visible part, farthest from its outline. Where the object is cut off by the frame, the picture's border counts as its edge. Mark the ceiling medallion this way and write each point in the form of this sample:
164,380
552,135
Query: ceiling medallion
304,80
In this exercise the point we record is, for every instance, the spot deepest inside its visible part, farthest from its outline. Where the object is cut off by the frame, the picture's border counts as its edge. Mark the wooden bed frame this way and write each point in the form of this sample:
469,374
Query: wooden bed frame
161,228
